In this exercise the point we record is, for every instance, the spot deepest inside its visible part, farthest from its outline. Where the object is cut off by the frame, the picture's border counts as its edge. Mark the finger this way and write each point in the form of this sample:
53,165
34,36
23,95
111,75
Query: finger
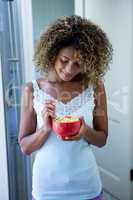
67,139
53,102
71,138
82,120
81,117
47,113
76,137
49,105
49,109
94,95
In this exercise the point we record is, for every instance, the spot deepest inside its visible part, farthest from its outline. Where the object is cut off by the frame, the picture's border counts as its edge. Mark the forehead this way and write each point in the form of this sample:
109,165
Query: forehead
70,52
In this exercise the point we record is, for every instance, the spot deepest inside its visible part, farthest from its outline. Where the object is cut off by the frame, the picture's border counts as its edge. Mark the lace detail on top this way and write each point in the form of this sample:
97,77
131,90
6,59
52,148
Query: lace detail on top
81,104
61,108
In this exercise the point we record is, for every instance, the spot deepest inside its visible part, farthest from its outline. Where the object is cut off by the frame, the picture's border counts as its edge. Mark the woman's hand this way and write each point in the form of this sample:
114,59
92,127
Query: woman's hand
48,113
81,133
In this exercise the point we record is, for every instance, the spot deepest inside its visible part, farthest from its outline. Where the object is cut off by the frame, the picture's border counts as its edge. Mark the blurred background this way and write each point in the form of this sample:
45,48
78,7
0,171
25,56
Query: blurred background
21,23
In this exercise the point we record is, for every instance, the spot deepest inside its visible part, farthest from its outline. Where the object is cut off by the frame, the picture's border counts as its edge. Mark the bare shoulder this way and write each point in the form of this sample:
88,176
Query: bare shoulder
28,87
100,87
41,82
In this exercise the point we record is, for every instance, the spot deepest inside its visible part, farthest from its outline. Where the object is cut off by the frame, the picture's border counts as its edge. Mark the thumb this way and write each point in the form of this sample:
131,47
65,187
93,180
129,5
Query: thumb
82,119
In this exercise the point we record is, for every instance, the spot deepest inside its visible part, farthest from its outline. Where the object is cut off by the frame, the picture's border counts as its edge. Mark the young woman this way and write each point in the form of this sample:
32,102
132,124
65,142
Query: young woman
74,53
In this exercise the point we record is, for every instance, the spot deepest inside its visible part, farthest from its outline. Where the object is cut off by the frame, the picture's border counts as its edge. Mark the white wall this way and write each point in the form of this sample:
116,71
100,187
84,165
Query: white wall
115,17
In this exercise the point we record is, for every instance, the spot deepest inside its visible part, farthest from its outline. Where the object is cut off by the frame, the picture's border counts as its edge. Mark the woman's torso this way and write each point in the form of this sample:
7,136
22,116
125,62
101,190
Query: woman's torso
65,169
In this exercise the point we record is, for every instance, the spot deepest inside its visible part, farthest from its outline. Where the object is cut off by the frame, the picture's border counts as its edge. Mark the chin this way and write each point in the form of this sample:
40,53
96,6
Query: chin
64,78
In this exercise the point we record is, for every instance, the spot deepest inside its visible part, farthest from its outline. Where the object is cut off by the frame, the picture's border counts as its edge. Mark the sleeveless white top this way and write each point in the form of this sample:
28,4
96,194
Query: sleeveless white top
65,170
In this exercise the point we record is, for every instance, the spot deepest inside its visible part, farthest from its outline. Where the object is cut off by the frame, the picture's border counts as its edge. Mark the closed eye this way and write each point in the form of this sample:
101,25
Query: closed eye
63,61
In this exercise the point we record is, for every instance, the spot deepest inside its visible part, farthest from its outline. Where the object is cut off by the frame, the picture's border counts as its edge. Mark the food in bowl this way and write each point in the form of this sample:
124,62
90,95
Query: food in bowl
66,126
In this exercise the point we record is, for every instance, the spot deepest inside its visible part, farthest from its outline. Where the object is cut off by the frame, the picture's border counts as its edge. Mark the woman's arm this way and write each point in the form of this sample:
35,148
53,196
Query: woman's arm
29,138
99,133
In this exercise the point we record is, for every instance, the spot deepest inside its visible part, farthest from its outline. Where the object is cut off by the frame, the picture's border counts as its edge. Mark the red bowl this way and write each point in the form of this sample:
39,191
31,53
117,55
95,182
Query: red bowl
66,125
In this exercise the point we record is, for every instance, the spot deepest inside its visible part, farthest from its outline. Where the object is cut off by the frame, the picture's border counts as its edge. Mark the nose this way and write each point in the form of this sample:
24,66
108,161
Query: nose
69,68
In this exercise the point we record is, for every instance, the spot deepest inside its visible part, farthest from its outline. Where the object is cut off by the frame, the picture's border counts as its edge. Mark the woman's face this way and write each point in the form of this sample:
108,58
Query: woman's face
67,64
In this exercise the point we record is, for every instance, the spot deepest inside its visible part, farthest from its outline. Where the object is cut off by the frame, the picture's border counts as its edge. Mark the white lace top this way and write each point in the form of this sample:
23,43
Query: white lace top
65,170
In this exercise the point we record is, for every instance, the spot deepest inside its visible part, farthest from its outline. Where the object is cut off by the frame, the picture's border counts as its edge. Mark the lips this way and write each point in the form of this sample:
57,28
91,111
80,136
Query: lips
67,75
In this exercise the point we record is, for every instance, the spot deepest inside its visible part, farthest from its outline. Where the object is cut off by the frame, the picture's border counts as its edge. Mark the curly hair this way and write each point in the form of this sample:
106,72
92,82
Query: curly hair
87,38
